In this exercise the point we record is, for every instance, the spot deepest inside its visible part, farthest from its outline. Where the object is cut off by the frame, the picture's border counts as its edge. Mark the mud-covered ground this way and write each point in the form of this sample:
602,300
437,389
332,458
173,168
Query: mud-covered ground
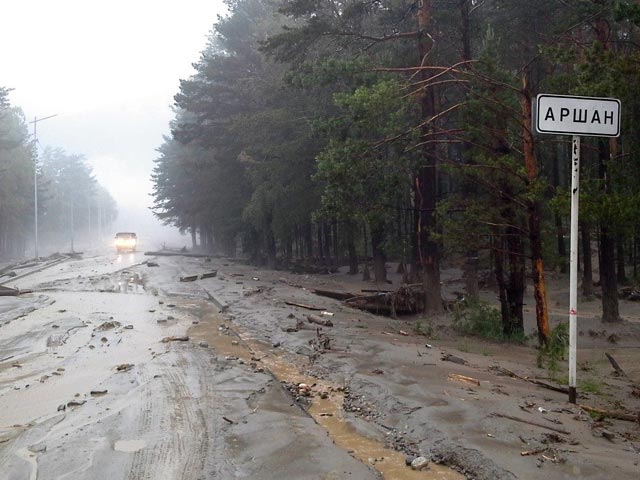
88,390
259,392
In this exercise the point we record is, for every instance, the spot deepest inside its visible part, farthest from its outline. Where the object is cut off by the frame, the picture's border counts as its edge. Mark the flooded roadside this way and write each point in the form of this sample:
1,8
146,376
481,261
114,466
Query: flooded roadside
325,399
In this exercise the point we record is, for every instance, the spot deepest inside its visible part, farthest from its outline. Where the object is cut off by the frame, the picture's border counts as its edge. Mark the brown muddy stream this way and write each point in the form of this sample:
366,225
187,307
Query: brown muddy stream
326,398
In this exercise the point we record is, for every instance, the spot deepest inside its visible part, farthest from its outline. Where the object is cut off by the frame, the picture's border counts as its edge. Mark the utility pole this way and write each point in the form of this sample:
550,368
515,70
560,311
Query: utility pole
35,179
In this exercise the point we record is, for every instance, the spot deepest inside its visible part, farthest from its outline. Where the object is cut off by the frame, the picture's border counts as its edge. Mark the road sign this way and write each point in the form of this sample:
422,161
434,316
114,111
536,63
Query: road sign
570,115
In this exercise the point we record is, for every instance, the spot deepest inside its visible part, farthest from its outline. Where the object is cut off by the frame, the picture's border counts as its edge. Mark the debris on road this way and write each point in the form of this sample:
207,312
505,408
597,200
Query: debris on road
320,321
175,339
420,463
107,326
464,378
202,276
447,357
124,367
302,305
164,253
629,417
529,422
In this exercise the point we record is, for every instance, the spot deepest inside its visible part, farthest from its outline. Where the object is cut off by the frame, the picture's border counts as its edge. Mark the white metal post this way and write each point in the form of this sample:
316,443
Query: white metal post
573,265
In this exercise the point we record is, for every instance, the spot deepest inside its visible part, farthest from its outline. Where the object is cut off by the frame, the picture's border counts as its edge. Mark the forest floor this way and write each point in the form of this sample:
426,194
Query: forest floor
402,389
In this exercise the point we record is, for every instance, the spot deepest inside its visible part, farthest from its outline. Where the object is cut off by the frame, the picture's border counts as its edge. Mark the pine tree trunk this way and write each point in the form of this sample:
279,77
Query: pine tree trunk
194,239
379,257
427,178
622,276
587,270
351,247
498,259
608,276
535,238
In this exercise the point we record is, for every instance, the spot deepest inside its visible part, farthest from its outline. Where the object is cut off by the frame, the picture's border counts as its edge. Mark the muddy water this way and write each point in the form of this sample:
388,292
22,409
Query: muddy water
327,412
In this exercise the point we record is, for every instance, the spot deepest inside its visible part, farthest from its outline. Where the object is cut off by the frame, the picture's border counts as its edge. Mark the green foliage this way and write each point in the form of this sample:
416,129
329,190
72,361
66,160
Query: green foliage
476,317
555,351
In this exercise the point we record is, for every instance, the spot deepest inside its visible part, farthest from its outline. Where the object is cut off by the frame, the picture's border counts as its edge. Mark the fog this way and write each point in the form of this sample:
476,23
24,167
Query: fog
108,72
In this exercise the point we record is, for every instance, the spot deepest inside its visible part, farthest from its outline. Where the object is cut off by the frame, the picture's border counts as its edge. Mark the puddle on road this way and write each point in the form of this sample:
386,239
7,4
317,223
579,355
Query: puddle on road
326,412
129,446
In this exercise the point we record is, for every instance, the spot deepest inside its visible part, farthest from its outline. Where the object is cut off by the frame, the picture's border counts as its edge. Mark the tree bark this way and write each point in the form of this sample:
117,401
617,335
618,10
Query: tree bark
608,277
426,181
379,257
351,247
498,259
535,208
620,251
587,269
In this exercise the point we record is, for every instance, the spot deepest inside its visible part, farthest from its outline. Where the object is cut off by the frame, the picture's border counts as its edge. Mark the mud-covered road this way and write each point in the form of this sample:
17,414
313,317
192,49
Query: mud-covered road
114,368
89,391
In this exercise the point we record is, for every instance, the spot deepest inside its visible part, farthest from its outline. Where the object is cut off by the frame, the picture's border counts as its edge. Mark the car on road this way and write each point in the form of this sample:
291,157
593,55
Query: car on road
126,242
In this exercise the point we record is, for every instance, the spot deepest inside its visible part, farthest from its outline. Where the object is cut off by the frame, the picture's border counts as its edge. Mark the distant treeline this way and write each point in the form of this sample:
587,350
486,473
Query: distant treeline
70,201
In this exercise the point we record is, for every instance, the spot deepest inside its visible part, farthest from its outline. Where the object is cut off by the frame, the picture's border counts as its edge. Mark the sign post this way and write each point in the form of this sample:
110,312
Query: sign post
576,116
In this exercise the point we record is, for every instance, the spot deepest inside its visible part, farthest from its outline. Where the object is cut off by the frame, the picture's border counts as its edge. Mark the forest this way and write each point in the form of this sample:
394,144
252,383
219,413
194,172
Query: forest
70,200
320,133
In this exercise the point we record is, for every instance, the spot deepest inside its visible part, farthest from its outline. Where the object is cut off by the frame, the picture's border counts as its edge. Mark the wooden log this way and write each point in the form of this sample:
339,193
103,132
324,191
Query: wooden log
629,417
302,305
367,297
615,365
311,318
178,254
175,339
190,278
333,294
8,292
464,378
529,422
540,383
535,451
209,275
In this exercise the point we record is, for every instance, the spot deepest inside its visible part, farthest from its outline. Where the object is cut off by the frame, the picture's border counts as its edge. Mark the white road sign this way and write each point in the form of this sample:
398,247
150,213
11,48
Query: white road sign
569,115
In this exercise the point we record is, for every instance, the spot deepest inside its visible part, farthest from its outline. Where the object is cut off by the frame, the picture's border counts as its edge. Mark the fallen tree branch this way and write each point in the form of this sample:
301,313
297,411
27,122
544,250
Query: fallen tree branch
8,292
615,365
333,294
540,383
319,321
612,414
302,305
464,378
179,254
529,422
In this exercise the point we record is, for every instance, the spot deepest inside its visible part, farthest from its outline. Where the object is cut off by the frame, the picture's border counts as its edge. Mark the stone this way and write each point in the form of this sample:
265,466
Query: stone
420,463
204,344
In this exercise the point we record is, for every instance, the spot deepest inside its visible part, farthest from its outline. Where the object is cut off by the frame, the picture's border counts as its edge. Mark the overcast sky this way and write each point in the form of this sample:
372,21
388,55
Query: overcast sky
109,70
